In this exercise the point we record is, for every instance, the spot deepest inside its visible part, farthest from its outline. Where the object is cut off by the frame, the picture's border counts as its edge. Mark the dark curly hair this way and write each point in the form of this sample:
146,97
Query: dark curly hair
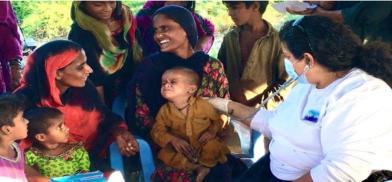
262,4
336,47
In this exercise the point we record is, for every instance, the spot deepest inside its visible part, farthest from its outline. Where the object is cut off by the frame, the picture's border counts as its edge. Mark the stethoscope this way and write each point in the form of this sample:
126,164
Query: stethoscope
283,86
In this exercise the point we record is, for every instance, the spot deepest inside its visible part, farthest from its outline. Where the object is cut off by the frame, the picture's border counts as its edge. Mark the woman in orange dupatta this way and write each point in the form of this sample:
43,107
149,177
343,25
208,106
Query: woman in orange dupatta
56,76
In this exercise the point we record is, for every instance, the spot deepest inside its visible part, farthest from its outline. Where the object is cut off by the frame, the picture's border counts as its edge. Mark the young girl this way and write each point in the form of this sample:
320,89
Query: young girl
186,126
51,154
13,126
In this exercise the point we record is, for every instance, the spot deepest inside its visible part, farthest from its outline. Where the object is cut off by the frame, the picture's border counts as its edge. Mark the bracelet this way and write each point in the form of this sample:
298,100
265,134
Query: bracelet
16,63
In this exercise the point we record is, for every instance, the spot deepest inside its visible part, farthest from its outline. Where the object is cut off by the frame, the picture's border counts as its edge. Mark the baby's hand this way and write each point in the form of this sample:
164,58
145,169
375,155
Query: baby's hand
207,135
181,146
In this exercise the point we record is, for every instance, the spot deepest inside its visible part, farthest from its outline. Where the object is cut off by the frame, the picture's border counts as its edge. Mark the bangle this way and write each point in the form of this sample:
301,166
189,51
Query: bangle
16,63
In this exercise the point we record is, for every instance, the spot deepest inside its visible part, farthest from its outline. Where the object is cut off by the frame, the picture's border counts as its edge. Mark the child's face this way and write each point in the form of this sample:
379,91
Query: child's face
240,14
57,131
176,86
19,130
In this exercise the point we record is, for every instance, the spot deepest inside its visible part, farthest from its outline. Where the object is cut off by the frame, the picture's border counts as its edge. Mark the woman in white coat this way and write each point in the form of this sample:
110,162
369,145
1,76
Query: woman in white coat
337,126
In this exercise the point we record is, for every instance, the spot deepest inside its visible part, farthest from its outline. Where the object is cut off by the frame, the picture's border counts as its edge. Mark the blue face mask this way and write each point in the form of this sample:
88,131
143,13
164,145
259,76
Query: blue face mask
292,74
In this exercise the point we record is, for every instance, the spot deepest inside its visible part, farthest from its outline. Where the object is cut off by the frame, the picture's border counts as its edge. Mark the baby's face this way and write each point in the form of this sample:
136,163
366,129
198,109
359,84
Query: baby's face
175,86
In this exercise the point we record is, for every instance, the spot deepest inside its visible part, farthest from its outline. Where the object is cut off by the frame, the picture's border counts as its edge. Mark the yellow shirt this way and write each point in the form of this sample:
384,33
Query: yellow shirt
201,117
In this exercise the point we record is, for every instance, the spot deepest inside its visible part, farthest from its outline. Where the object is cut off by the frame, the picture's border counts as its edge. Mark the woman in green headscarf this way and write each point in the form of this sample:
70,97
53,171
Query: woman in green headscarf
106,31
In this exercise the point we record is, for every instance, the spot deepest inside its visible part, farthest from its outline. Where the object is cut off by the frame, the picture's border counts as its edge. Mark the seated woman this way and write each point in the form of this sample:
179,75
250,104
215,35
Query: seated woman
55,76
205,28
336,125
106,31
175,33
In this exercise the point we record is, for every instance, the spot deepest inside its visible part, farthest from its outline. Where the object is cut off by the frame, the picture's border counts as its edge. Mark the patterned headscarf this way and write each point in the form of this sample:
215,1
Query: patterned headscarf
113,57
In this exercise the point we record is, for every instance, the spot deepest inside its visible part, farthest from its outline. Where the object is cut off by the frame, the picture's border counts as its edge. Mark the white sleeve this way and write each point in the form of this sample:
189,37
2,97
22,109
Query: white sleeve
260,122
355,138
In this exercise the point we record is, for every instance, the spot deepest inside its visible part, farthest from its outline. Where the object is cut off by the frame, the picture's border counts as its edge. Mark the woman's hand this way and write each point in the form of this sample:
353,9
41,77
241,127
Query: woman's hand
307,12
126,142
16,73
237,110
33,175
335,15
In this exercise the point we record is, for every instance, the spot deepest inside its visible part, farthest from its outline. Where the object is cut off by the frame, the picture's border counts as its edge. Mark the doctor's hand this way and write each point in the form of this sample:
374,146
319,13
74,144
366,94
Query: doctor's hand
219,104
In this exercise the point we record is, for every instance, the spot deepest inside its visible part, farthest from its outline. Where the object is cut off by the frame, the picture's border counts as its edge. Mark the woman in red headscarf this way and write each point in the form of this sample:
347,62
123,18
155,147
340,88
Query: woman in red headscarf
56,76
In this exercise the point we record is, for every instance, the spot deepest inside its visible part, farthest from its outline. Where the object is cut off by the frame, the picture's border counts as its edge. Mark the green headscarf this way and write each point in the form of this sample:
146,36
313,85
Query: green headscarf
112,58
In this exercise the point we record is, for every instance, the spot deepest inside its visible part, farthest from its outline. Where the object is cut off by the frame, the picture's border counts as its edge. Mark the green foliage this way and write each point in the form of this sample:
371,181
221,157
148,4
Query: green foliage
21,9
44,20
135,6
47,20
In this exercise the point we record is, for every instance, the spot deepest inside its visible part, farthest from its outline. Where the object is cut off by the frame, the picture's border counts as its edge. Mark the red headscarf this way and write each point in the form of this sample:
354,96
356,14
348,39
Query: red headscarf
82,123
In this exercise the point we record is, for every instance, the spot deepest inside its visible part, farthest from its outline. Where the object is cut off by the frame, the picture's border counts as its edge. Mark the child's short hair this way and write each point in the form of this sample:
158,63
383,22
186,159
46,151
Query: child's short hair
262,4
10,106
40,120
189,73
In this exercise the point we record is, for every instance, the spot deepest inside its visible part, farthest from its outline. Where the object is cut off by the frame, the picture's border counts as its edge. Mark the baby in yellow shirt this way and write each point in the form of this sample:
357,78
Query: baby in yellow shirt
186,126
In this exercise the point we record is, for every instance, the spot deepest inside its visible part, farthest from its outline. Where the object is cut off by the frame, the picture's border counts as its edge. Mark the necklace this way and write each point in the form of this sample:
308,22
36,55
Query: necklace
182,108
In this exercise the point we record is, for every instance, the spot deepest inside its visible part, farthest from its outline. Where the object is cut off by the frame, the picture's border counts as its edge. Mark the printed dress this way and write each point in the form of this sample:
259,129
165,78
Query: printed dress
72,161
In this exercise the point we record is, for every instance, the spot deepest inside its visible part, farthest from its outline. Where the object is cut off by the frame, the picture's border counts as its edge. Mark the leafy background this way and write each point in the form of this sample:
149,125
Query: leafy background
48,20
